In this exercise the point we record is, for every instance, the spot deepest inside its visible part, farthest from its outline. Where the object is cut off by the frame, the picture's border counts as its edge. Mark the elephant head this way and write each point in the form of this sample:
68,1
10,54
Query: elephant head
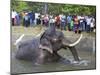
57,41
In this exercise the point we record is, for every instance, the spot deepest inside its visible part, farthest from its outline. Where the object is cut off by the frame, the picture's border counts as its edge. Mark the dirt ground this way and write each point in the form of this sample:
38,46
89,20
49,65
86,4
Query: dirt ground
86,51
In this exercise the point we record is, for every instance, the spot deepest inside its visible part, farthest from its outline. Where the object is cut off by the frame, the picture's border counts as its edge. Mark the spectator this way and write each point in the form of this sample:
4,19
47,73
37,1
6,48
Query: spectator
88,20
39,20
85,21
42,19
82,24
36,18
50,19
69,18
63,22
31,18
76,24
46,20
71,25
57,21
17,19
14,13
27,20
92,24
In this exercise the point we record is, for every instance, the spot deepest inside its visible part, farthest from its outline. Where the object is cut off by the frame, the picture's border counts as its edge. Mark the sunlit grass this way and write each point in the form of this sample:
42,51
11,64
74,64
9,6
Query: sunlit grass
28,31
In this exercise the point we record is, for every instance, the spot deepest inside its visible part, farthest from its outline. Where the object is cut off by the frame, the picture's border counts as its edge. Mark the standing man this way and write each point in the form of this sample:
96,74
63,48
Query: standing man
31,18
82,24
14,13
18,19
63,22
88,20
51,21
69,18
26,19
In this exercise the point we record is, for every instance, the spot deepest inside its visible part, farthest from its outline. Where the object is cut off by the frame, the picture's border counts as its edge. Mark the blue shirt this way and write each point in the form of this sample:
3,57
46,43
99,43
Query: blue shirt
69,19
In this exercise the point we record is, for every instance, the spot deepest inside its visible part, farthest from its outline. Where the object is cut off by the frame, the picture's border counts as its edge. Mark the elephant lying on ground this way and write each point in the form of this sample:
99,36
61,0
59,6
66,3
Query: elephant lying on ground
44,48
58,41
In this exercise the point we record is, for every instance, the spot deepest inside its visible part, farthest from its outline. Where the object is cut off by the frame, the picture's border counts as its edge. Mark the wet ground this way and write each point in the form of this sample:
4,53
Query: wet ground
86,51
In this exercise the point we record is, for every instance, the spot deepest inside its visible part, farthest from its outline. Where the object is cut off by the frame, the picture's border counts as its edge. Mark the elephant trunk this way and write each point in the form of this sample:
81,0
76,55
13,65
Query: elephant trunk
72,47
74,53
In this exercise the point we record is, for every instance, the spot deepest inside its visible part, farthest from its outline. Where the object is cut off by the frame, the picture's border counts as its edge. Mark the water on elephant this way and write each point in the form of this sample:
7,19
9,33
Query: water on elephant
85,51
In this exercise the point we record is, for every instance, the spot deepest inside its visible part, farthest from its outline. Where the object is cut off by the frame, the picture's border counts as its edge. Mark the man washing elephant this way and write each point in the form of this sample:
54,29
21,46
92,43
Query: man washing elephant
44,49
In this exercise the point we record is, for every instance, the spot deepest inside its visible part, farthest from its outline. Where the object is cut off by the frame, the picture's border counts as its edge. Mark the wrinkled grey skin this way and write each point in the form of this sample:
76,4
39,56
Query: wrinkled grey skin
57,44
30,50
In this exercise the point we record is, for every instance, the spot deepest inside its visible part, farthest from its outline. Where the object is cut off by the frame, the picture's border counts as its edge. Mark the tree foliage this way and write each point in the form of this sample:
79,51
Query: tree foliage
53,8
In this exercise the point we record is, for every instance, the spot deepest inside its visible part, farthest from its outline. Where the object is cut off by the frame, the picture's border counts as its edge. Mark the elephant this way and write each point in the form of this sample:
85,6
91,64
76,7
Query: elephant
29,50
43,49
58,41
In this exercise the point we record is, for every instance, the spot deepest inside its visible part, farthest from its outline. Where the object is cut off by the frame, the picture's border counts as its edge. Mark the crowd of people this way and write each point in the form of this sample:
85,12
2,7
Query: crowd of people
76,23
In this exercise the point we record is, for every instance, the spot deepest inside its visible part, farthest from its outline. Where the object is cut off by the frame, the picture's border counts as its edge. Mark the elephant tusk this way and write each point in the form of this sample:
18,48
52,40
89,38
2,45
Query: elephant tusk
46,48
19,39
41,33
75,43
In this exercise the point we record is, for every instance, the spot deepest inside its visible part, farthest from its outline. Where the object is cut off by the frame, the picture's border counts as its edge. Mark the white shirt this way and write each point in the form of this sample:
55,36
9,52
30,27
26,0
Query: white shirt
14,13
36,15
81,19
88,20
52,21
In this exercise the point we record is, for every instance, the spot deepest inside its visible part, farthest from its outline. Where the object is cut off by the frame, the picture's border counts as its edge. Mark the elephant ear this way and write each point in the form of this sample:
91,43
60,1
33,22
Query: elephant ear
45,45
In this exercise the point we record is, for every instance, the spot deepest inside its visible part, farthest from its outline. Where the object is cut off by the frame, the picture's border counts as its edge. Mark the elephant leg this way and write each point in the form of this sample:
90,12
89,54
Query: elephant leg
74,53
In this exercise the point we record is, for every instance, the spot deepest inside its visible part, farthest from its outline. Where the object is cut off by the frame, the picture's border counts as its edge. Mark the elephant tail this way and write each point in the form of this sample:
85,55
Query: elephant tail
19,40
